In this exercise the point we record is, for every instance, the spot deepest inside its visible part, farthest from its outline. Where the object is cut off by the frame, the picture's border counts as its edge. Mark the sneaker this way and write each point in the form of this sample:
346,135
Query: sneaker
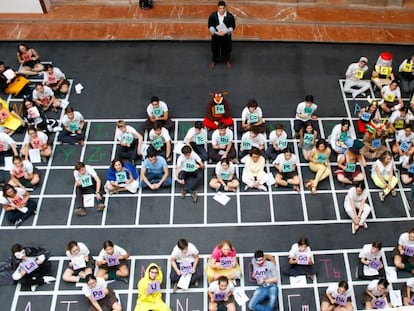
194,196
33,287
80,211
381,195
393,192
246,188
18,223
100,207
48,279
57,129
183,193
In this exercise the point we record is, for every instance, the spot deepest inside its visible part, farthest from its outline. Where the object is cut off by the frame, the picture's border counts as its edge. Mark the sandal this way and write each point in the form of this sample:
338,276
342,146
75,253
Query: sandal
313,190
308,184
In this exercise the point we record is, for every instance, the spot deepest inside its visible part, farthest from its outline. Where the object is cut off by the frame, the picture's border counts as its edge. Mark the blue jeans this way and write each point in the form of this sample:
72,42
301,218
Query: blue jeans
261,294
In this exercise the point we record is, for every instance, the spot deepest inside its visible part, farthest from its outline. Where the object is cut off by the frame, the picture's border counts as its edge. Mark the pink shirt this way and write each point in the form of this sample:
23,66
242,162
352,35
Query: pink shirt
216,254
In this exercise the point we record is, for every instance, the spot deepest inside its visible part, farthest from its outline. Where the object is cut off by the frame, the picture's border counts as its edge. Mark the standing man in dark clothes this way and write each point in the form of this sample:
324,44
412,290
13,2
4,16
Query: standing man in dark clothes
221,25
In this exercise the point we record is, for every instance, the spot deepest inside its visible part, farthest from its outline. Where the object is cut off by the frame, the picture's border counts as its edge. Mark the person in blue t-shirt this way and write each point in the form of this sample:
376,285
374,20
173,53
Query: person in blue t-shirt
121,177
154,172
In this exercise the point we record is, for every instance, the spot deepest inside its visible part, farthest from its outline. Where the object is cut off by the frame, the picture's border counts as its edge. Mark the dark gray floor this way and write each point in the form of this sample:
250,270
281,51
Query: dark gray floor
119,78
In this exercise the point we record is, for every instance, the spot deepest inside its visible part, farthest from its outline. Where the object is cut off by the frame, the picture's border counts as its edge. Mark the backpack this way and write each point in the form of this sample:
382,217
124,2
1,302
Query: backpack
146,4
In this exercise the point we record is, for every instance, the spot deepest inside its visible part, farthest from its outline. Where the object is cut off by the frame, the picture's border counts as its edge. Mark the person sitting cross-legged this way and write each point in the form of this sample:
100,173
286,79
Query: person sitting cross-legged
189,172
154,172
121,177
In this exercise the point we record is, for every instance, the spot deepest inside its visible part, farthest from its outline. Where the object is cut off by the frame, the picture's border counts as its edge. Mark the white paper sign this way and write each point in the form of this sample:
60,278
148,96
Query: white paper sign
8,163
9,74
299,280
178,147
78,88
184,281
34,155
240,296
221,198
89,200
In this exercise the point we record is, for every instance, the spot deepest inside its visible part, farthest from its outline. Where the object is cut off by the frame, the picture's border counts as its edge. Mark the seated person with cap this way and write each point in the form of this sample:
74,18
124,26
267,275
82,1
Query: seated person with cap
354,82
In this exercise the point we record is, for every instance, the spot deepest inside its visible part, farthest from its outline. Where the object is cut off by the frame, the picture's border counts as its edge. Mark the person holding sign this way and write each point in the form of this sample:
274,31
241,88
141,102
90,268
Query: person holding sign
356,207
264,272
403,146
23,174
54,78
12,83
35,139
149,290
196,137
34,116
184,260
407,170
307,140
188,172
277,142
254,174
366,114
300,260
87,182
17,204
29,60
121,177
100,296
221,24
319,164
403,254
32,266
370,266
354,74
44,98
348,172
222,145
73,128
225,177
376,295
374,140
220,293
337,298
154,172
160,141
286,170
252,116
218,110
223,262
382,73
399,118
80,263
305,111
129,142
252,139
407,292
112,262
391,97
406,71
382,174
342,137
157,111
8,147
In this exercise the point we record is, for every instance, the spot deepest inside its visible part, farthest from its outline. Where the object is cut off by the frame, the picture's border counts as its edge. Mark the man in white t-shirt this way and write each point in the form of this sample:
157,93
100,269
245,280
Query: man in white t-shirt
157,110
87,182
73,127
305,111
184,260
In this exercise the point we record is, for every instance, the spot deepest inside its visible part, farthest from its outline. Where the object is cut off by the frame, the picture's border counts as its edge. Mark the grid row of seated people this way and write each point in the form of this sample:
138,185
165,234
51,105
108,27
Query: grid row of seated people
353,154
31,267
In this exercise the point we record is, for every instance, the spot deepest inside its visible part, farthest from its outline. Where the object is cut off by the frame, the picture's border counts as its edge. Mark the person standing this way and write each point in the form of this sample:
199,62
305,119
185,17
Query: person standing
221,24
